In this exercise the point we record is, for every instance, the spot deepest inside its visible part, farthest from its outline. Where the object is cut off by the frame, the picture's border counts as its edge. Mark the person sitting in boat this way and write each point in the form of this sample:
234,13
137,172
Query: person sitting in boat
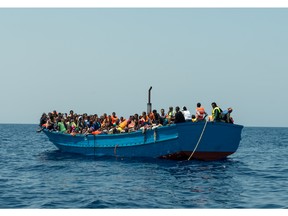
113,118
151,116
54,114
179,117
156,118
137,124
71,114
194,119
43,120
73,125
200,112
171,115
86,121
51,124
103,120
187,114
121,119
163,117
61,125
144,120
123,126
96,125
216,112
131,124
81,123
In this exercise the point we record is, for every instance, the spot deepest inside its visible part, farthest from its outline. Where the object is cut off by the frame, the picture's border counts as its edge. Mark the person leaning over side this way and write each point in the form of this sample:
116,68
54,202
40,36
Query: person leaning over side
216,112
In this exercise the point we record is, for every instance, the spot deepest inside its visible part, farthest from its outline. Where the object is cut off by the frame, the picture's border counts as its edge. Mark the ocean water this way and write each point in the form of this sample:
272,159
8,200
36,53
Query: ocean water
34,174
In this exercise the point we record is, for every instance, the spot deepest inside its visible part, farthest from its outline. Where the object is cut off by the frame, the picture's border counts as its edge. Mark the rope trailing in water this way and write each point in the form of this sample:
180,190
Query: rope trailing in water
198,141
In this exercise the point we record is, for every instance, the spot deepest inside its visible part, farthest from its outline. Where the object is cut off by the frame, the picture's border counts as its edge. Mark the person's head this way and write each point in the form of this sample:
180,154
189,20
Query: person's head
177,108
213,104
154,111
170,108
230,109
117,121
184,108
113,114
143,113
198,105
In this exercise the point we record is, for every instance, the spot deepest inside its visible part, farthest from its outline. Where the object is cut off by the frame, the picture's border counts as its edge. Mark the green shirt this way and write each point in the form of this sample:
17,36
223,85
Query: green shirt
61,127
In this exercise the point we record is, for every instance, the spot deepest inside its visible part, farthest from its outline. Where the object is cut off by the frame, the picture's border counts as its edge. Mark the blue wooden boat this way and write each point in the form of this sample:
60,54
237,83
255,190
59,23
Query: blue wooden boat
189,140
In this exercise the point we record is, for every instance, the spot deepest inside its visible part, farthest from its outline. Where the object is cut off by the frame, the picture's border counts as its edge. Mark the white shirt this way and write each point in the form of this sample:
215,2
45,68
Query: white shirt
187,115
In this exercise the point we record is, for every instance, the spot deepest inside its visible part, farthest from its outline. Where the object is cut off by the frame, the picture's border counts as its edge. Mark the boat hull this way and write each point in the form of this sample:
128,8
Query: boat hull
177,141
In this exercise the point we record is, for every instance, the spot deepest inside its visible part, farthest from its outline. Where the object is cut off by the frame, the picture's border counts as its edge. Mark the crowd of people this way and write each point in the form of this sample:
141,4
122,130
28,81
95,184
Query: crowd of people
73,123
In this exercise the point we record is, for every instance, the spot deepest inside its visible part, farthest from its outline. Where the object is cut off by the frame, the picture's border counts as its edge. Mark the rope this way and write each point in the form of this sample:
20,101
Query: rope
198,141
94,145
144,134
155,135
115,149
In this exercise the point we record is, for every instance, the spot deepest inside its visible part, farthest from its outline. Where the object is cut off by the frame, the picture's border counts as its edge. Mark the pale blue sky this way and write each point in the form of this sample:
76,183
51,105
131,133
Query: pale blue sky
105,60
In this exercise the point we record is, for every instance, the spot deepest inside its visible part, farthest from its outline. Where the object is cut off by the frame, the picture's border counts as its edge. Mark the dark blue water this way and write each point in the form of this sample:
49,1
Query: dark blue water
34,174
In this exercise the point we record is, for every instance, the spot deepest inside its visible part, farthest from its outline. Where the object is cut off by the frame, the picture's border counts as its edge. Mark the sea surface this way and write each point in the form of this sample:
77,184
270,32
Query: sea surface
34,174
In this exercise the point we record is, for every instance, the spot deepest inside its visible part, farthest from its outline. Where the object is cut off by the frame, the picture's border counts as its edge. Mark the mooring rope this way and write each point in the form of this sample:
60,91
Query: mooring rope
198,141
94,145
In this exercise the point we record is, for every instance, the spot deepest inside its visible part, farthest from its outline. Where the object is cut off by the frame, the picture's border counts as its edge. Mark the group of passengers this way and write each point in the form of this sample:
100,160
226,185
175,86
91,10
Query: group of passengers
73,123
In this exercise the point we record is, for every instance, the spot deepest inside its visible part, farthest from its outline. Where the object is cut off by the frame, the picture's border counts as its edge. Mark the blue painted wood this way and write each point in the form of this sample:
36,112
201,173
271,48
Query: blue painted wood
218,141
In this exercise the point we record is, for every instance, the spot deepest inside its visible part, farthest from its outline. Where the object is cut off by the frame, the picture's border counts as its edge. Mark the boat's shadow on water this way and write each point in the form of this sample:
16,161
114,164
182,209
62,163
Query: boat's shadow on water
56,155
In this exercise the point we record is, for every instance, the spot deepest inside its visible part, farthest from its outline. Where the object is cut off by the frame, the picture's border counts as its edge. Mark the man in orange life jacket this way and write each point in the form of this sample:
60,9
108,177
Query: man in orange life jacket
200,113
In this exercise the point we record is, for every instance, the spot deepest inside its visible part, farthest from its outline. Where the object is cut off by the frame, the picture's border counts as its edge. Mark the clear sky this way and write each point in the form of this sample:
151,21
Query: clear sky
104,60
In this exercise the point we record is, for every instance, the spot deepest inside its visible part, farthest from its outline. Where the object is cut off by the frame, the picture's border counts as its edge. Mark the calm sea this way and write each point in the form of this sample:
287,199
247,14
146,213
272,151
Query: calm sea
34,174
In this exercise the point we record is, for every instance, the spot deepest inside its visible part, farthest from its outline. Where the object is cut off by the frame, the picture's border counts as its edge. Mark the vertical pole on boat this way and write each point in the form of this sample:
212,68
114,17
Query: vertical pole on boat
149,105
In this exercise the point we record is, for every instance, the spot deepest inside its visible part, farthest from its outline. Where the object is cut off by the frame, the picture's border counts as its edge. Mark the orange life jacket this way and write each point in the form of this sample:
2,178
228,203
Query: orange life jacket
96,132
114,119
200,112
146,119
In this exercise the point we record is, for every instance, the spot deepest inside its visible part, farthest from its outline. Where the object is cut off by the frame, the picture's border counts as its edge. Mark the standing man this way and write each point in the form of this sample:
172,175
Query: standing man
216,112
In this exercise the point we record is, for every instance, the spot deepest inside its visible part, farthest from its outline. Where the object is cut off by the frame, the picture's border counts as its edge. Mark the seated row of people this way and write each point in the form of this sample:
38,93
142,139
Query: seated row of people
73,123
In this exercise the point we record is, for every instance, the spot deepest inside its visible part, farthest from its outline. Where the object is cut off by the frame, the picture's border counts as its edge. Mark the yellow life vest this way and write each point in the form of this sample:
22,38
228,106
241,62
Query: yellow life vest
214,113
